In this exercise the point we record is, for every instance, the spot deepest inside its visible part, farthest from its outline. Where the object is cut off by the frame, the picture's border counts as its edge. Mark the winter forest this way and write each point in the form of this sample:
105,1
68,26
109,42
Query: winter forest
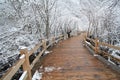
24,23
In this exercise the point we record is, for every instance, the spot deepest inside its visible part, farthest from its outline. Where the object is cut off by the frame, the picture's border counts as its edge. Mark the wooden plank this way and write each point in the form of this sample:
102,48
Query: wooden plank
35,49
11,72
108,45
36,59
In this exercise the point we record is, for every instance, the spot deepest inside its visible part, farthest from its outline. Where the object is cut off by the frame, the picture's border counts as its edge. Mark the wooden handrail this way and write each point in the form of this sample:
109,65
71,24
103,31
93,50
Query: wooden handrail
105,44
93,47
97,50
13,70
109,45
36,59
24,62
116,59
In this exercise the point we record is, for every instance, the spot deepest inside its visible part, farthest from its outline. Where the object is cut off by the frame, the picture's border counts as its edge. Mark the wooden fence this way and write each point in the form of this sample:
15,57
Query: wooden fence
95,44
24,60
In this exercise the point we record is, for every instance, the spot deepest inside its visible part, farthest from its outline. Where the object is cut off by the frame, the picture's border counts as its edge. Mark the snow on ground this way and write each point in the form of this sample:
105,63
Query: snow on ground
47,52
23,75
38,74
16,32
49,69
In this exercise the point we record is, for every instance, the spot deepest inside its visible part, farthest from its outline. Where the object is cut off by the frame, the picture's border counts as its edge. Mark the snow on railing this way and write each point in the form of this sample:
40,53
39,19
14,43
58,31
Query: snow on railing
24,59
22,56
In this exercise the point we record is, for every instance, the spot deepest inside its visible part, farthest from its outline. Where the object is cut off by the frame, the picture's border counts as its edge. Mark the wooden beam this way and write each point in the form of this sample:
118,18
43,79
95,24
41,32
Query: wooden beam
108,45
96,45
36,59
105,44
11,72
90,45
90,39
111,56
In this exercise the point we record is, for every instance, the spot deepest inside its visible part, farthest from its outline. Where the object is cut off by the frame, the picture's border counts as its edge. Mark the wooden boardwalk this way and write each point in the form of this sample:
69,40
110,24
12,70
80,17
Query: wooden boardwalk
71,61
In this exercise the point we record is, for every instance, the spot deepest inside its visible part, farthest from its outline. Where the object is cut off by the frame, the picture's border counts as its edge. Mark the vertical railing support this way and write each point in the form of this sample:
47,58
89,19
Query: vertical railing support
65,37
96,45
26,64
61,37
44,44
84,39
53,40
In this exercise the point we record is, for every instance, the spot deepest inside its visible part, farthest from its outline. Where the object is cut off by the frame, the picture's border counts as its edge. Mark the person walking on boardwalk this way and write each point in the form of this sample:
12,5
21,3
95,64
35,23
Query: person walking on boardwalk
68,33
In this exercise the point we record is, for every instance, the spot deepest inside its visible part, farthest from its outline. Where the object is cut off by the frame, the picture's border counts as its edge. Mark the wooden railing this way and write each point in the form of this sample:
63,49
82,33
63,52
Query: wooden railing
95,44
24,60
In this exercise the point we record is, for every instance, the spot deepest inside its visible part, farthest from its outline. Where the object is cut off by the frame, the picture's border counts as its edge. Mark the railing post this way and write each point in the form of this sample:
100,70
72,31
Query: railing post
44,44
84,39
53,40
60,37
96,45
26,64
65,36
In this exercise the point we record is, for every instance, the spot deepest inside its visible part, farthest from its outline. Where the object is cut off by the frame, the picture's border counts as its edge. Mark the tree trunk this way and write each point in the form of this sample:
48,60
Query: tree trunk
47,28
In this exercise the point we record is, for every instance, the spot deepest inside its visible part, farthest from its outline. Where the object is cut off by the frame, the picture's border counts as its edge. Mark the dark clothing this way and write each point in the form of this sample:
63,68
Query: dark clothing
69,33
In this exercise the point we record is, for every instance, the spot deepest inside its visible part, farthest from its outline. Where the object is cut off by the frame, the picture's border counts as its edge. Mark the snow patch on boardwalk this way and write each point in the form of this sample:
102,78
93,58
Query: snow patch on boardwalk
38,74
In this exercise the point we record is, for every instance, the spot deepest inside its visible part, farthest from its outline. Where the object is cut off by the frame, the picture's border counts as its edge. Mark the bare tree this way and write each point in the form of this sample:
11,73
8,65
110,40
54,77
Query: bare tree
45,9
17,4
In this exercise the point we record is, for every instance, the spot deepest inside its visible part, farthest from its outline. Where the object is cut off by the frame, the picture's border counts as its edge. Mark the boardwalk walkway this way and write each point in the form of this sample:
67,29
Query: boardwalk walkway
71,61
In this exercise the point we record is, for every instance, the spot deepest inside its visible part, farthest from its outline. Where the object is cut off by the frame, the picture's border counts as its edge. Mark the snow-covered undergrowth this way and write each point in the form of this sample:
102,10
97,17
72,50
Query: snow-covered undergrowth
16,32
37,76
